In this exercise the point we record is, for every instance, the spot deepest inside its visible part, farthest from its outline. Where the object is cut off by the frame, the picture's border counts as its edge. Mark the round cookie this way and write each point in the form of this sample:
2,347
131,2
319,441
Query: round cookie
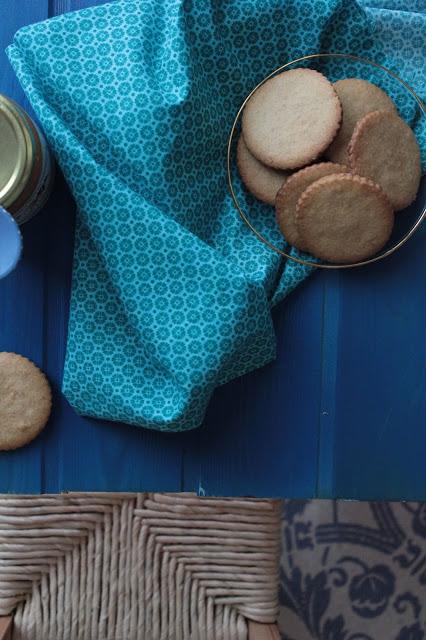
25,401
262,181
357,97
289,194
291,119
385,149
344,218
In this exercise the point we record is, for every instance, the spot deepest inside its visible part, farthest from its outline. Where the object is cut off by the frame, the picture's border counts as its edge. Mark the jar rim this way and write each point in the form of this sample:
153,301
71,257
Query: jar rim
21,161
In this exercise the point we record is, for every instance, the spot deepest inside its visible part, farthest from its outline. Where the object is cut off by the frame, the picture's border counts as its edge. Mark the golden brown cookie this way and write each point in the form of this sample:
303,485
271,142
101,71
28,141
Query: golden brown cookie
262,181
357,97
344,218
25,401
385,149
289,194
291,119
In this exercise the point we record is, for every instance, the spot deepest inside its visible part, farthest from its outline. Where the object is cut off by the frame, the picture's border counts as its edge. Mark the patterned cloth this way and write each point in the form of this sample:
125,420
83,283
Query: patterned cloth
171,293
353,571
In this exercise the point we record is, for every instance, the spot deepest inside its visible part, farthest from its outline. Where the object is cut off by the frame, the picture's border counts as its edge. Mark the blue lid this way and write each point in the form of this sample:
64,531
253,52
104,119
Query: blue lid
10,243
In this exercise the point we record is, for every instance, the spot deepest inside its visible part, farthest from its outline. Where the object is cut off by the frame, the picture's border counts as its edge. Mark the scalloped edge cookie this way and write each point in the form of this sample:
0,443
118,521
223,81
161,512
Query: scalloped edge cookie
344,218
357,97
262,181
25,401
291,119
289,194
384,148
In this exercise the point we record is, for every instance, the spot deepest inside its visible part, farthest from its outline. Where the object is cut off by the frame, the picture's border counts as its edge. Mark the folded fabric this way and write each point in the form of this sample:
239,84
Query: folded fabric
171,293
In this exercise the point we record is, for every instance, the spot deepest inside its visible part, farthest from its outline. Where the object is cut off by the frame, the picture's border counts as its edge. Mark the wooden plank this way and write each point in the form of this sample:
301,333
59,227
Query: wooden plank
374,446
260,435
263,631
22,293
333,283
63,6
6,624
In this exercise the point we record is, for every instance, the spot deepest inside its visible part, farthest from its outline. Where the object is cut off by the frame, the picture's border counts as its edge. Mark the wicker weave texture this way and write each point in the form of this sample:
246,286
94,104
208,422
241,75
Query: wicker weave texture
137,566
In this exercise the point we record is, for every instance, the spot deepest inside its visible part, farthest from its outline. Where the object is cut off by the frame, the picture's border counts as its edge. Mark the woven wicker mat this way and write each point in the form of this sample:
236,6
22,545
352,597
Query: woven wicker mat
137,566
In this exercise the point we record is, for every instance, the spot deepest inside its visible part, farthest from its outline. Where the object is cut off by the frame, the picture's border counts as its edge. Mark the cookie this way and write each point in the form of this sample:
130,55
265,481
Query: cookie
385,149
289,194
357,97
262,181
344,218
291,119
25,401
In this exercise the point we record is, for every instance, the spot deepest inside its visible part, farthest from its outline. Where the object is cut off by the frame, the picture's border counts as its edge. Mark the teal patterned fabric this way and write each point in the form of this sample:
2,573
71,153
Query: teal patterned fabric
171,293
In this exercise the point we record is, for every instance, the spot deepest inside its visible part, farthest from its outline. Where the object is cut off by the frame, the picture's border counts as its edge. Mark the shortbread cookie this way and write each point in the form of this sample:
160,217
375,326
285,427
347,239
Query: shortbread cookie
25,401
357,97
385,149
262,181
289,194
291,119
344,218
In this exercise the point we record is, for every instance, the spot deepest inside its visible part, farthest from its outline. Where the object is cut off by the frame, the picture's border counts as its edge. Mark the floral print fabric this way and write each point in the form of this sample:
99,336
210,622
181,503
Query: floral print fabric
353,571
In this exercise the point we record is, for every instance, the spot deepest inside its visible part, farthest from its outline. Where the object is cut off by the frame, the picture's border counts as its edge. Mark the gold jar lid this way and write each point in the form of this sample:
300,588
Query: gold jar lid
16,152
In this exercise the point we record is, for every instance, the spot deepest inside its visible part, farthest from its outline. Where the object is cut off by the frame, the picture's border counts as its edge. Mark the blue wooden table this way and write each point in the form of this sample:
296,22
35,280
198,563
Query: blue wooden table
341,413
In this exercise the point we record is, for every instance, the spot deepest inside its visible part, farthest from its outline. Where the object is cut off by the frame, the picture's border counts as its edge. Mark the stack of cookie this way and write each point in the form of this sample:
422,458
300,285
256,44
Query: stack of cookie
336,160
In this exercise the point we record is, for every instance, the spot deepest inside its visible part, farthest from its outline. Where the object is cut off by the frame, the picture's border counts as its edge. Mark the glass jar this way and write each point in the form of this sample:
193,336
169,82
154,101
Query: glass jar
26,163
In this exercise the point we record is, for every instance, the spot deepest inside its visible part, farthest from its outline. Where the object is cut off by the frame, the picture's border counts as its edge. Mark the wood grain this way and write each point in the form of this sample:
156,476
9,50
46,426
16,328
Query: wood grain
263,631
6,623
260,435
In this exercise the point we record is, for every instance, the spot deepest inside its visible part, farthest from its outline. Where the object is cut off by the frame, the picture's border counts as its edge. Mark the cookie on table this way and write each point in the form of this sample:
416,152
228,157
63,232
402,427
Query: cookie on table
291,119
289,194
384,148
25,401
262,181
357,97
344,218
